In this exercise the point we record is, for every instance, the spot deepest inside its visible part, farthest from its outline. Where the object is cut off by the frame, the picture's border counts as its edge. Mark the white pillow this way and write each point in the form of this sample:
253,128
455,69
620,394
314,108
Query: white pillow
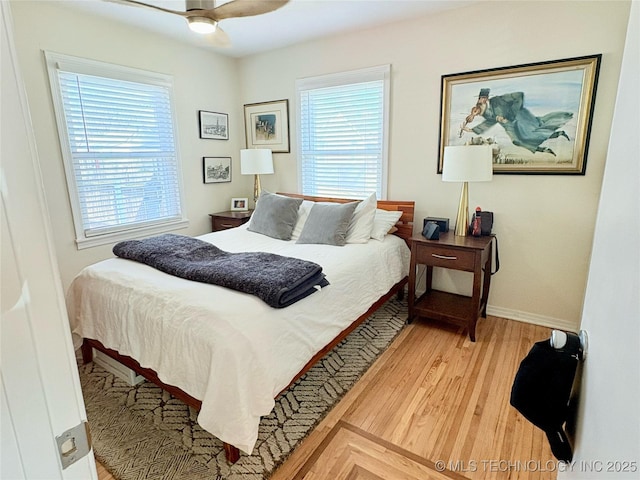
383,221
361,223
303,213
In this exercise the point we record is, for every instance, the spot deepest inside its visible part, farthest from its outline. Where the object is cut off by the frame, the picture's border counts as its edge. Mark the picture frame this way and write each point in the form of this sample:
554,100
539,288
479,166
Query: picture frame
213,125
537,116
216,169
239,204
267,125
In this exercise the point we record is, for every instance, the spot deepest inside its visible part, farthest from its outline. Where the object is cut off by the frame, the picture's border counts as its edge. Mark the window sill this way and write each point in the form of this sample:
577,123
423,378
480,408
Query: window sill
88,242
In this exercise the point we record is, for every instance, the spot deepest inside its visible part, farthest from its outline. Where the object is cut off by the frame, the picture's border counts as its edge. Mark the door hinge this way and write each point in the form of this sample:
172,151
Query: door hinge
74,444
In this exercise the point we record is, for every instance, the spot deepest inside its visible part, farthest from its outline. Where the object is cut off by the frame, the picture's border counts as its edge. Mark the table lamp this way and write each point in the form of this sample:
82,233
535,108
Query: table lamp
466,163
256,161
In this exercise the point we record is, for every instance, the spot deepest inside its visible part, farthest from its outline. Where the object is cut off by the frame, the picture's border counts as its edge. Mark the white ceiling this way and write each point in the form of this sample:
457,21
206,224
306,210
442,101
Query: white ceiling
297,21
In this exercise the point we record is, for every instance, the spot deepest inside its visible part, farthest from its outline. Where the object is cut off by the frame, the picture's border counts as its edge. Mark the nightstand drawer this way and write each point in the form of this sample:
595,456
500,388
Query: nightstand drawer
438,256
224,223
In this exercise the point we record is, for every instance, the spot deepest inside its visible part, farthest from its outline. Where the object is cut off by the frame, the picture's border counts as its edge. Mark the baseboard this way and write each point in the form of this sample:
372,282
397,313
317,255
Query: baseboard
119,370
534,318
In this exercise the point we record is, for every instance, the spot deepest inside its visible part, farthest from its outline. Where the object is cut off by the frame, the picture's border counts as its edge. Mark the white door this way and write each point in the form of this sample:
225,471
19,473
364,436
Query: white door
41,397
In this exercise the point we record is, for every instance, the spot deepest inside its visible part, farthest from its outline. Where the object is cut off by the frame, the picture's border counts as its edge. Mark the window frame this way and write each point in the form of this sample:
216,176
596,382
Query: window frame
55,62
380,72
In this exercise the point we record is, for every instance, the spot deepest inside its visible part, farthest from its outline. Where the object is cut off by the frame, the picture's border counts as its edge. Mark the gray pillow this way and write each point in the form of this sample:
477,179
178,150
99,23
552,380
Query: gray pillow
275,215
328,223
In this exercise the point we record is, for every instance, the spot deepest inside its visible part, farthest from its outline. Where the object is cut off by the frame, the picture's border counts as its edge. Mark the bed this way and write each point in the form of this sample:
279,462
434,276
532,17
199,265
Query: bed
227,353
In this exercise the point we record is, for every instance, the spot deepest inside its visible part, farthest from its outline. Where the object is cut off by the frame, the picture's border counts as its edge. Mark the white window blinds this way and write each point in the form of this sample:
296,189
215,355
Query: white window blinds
343,133
121,160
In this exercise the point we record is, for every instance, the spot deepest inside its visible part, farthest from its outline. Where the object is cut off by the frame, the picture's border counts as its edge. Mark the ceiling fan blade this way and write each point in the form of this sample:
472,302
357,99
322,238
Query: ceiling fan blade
200,8
219,38
246,8
146,5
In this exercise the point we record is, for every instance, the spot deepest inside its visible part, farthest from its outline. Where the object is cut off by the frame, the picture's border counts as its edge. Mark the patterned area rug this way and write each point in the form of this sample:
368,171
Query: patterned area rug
142,433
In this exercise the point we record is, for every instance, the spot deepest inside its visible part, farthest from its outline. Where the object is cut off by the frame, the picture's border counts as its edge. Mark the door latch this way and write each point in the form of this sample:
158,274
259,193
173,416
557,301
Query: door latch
74,444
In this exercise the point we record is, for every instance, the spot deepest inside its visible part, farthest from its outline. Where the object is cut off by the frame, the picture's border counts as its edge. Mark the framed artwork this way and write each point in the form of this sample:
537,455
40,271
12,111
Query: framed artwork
216,169
239,204
214,125
536,116
267,125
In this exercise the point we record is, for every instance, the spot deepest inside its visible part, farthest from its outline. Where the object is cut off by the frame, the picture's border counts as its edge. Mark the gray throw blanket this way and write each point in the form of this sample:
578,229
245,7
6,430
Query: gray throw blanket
279,281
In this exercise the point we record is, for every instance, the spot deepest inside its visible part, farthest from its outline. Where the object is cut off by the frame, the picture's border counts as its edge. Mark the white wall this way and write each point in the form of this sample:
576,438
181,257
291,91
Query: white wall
544,223
202,81
608,427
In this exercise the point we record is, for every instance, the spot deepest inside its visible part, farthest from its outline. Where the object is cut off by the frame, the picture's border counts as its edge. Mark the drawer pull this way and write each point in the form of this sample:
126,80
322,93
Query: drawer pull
226,225
444,257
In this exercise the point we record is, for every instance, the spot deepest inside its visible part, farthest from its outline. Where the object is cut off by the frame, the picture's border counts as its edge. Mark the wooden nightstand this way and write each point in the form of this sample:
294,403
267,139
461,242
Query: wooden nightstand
470,254
224,220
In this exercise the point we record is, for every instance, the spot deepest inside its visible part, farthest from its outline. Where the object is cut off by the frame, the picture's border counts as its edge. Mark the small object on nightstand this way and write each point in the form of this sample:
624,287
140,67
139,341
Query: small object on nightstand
443,223
476,224
431,231
225,220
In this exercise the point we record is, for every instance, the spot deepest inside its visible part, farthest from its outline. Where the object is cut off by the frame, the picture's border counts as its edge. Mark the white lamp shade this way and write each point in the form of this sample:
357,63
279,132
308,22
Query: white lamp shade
256,161
467,163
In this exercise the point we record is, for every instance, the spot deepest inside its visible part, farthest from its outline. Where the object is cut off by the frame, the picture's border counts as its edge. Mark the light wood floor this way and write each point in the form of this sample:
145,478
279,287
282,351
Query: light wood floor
434,406
103,473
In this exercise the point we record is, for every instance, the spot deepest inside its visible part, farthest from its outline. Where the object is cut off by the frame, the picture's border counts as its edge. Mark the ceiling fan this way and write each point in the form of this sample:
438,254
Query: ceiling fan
203,16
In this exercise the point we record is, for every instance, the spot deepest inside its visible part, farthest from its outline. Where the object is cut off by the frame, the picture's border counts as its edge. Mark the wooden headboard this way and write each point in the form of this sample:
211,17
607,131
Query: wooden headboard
404,225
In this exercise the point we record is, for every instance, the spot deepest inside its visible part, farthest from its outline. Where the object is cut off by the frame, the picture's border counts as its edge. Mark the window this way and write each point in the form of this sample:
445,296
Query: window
343,130
117,135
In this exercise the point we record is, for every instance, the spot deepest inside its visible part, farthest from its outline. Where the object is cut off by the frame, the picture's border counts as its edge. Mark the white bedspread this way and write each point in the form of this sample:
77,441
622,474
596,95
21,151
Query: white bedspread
230,349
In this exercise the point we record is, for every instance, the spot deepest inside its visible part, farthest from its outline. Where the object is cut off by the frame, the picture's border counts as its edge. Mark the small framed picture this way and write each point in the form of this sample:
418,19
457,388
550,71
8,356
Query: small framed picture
239,204
267,125
214,125
216,169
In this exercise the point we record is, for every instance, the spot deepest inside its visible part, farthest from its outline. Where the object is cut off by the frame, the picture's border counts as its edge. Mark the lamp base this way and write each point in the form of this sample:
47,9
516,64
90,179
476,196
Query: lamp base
462,219
256,187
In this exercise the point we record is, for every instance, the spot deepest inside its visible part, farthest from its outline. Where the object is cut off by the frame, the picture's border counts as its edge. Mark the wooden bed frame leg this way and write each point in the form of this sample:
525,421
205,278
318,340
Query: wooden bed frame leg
232,453
87,352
